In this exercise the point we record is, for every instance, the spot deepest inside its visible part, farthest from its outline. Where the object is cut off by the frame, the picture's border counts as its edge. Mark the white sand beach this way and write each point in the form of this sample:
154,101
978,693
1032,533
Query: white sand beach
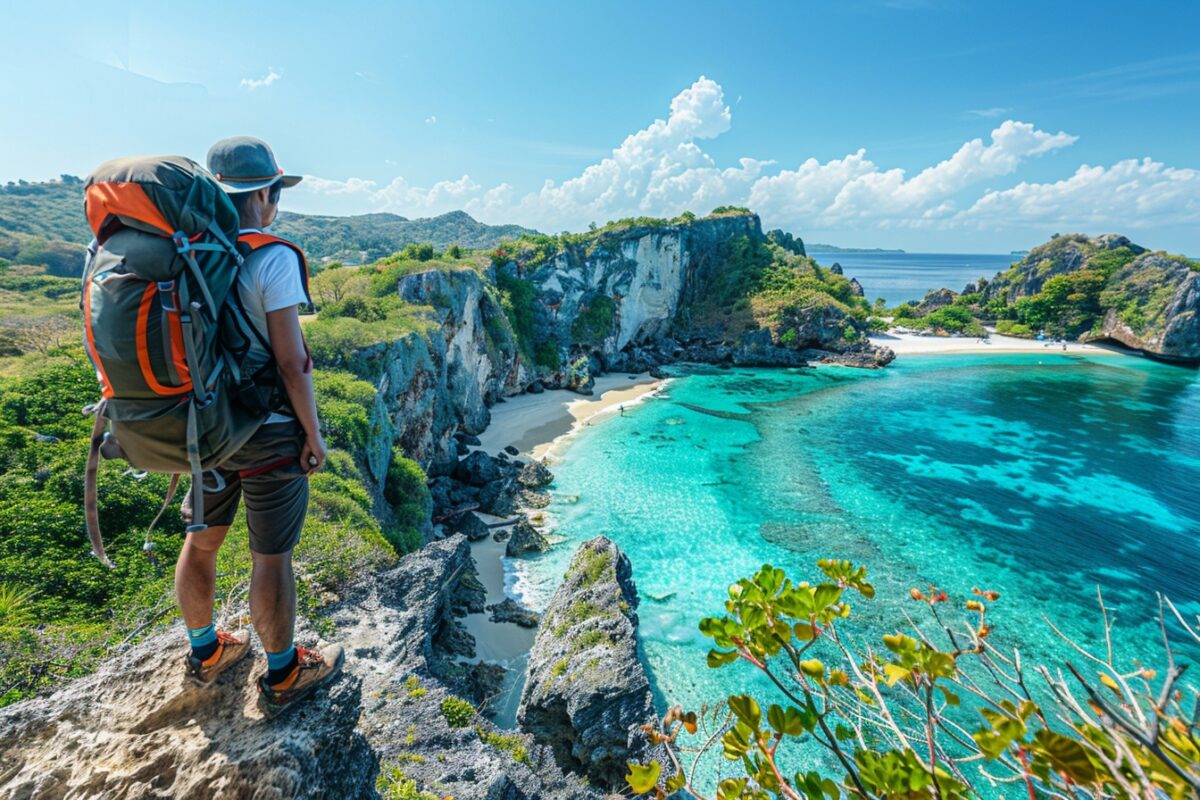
915,344
536,423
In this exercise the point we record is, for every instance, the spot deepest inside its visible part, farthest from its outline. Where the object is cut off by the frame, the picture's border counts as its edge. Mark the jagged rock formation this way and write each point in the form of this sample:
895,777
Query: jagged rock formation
586,690
1159,311
525,539
935,299
136,728
1059,256
1110,288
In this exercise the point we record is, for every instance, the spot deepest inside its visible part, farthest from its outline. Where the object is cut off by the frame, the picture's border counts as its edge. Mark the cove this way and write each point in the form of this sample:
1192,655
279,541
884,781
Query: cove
1039,476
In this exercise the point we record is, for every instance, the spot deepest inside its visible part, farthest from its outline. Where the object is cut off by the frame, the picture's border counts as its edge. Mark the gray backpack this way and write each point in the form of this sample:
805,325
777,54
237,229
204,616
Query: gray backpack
161,327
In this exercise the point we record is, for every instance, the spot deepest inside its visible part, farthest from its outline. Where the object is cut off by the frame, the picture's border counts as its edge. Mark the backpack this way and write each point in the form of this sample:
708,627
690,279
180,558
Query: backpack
158,327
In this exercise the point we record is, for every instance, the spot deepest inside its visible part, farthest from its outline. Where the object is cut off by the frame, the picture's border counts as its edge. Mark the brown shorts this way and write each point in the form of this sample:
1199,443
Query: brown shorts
276,499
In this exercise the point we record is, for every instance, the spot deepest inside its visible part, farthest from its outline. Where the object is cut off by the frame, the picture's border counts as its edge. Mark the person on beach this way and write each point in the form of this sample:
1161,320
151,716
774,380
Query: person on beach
272,469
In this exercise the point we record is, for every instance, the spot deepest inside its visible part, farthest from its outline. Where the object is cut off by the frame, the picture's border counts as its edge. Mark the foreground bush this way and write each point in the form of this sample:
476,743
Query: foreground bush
939,712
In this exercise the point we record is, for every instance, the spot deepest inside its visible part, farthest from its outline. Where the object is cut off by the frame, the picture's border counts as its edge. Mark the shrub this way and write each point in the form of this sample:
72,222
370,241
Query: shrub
546,354
344,409
458,712
405,490
938,712
595,321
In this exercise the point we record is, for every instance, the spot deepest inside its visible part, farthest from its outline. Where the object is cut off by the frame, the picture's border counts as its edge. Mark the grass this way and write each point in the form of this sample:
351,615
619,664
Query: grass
510,743
595,562
393,784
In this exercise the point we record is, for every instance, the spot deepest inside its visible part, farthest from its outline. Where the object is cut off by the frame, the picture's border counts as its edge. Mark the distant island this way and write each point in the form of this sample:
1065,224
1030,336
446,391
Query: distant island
1018,253
833,248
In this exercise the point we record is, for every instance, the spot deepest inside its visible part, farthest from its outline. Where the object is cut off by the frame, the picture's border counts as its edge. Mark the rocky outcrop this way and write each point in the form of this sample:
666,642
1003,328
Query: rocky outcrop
587,692
1060,255
509,610
935,299
1116,290
1159,307
136,728
524,538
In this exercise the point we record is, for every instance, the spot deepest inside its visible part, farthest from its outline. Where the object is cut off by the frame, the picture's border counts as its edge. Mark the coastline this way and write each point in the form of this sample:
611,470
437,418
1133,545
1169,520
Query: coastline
540,426
914,344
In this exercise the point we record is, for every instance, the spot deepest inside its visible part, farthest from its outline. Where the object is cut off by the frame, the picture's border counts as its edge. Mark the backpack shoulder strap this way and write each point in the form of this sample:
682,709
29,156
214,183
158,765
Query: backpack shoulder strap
254,241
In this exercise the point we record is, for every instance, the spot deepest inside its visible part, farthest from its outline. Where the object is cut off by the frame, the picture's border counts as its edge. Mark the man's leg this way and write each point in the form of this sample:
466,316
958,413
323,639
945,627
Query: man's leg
196,576
273,606
196,582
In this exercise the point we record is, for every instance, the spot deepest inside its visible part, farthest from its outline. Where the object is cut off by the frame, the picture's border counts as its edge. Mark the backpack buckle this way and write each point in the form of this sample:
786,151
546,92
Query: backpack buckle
166,296
182,245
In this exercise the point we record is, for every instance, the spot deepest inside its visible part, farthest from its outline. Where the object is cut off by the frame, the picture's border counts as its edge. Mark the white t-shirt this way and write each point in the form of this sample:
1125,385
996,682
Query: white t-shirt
268,281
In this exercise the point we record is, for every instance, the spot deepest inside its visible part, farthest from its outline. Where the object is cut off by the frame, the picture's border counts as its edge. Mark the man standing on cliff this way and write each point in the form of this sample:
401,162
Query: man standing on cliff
272,469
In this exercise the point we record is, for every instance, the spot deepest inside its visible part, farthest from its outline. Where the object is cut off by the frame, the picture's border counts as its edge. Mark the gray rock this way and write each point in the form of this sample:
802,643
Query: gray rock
587,694
137,728
469,525
510,610
935,299
856,287
525,539
836,269
499,497
535,475
478,469
1159,310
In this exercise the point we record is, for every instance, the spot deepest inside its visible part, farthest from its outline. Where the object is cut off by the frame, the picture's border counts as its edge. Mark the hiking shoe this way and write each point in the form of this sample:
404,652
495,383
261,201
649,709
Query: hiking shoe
231,648
314,668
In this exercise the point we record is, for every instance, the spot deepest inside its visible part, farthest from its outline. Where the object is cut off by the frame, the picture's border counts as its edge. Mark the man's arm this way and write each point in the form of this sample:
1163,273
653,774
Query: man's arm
291,359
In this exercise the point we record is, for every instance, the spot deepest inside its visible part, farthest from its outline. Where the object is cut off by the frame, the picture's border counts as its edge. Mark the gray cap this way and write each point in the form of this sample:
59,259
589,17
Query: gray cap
244,164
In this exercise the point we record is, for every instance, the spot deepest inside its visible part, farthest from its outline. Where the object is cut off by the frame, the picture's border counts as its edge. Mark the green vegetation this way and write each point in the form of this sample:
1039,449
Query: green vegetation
510,743
393,784
406,492
595,320
935,711
413,685
458,712
559,667
729,210
594,564
60,610
760,283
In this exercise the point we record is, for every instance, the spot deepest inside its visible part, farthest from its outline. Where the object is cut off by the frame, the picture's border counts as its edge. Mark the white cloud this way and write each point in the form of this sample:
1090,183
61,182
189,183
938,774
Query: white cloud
663,169
263,82
431,120
1128,193
989,113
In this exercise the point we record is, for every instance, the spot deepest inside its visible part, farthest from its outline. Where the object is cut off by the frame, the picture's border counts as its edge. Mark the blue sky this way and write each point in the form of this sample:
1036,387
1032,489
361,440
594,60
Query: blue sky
936,125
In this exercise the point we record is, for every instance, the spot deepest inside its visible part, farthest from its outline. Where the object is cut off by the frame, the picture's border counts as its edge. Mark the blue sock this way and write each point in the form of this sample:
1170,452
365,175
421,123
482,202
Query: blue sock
279,665
204,641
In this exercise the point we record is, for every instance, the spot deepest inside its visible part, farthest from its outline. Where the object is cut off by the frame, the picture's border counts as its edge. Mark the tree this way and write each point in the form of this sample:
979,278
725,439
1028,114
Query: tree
334,285
894,718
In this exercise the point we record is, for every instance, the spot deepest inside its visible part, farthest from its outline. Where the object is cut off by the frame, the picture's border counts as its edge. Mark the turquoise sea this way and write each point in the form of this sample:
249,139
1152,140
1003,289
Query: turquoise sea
1039,476
900,277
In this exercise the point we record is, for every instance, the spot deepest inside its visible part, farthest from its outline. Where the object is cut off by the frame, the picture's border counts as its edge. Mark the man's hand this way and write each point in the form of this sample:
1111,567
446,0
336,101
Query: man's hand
312,455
